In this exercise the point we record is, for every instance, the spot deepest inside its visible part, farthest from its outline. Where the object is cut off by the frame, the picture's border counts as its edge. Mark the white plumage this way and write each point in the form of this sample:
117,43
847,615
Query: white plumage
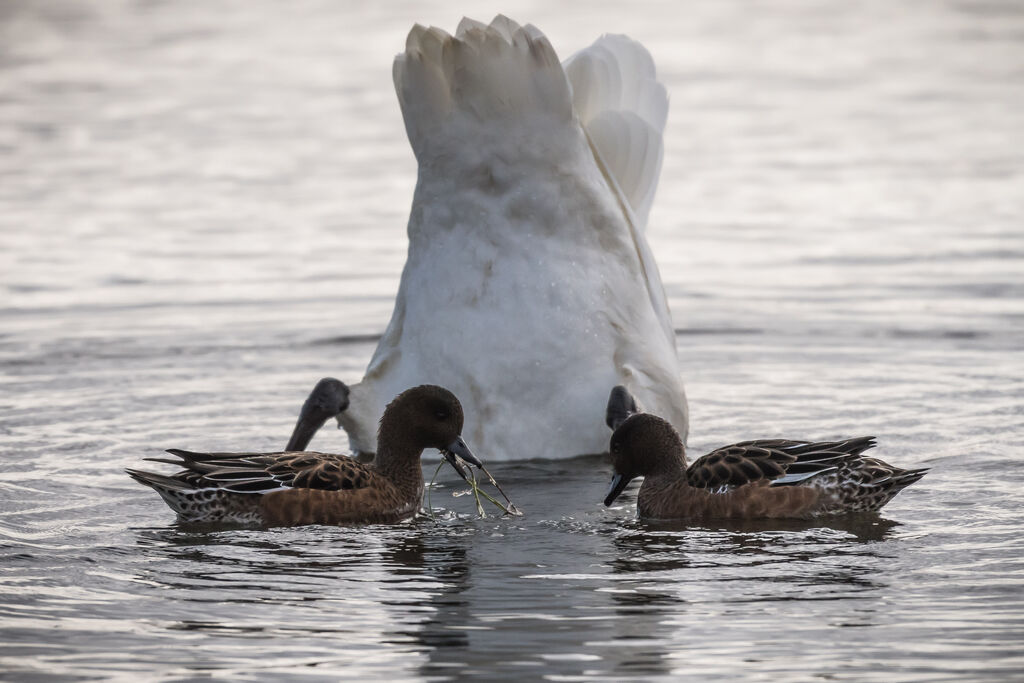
529,289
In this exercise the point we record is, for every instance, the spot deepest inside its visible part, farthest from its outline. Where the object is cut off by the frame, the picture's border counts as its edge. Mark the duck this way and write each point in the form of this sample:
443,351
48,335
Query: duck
301,488
760,479
529,286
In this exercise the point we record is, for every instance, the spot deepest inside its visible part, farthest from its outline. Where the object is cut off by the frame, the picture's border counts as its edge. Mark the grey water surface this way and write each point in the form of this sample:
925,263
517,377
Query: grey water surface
202,210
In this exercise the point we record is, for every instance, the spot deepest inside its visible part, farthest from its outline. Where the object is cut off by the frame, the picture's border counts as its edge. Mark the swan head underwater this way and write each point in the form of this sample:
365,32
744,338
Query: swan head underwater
529,287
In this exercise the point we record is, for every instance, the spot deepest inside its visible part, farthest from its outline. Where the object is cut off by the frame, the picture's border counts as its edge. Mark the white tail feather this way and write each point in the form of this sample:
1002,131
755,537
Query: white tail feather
509,73
491,75
623,108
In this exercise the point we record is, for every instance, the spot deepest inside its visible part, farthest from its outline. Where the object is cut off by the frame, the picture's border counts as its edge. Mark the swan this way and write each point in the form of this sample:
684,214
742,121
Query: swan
529,288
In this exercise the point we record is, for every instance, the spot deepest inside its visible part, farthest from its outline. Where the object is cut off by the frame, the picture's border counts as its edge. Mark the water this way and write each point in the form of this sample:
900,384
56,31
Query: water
202,211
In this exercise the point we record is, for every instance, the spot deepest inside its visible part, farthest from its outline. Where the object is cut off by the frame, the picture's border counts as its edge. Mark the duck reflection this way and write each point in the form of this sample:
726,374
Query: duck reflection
441,557
671,572
582,595
646,546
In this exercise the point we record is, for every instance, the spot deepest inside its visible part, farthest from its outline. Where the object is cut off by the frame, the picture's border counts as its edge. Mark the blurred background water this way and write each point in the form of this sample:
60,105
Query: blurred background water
202,211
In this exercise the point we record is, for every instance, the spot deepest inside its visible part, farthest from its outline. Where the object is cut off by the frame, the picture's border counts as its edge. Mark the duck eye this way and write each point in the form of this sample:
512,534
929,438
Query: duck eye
441,415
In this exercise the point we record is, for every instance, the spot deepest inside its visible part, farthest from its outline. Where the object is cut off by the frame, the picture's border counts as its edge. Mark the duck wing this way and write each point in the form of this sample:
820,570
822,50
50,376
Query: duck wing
266,472
779,462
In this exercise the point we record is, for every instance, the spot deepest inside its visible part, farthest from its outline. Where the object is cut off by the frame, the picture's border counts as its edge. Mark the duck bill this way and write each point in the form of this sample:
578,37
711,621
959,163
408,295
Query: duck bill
615,488
456,452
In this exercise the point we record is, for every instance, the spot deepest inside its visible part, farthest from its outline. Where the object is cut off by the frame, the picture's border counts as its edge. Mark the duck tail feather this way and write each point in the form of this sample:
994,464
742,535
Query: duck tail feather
188,457
159,482
908,477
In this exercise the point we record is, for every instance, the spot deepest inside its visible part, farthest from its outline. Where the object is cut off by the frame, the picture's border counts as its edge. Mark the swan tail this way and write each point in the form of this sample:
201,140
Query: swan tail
491,77
484,78
623,108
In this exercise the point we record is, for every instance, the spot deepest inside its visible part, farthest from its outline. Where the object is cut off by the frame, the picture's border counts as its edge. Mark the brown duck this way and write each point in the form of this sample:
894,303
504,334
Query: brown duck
294,488
773,478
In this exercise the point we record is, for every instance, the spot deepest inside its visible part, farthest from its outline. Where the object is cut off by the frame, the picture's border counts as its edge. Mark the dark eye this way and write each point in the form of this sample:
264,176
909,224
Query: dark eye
441,415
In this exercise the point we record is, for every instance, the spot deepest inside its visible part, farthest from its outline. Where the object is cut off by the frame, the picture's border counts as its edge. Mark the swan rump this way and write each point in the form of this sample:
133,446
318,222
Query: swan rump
529,289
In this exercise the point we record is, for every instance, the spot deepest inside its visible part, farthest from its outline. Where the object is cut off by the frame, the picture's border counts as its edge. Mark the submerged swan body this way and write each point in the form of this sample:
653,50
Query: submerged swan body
288,489
765,479
529,287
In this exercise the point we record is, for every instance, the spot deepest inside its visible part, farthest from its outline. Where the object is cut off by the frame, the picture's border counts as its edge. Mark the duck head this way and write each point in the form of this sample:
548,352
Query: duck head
427,416
642,445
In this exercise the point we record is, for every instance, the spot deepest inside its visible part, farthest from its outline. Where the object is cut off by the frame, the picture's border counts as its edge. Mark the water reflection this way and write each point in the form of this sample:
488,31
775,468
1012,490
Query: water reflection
645,546
863,528
443,557
675,573
401,583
